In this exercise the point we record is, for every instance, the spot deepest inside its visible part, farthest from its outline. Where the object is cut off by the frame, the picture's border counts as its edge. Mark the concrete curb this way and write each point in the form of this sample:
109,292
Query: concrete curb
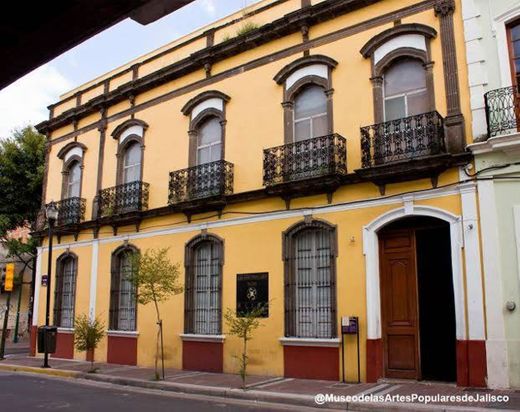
239,394
40,371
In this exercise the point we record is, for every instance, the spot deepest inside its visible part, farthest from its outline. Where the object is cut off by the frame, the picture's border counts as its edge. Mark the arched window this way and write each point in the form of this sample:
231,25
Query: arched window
405,89
310,284
207,114
72,156
307,97
130,150
209,141
203,309
123,296
310,113
131,163
65,290
73,180
401,71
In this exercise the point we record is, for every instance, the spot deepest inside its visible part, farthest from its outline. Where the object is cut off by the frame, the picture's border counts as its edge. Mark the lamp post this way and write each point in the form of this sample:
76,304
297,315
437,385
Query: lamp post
51,212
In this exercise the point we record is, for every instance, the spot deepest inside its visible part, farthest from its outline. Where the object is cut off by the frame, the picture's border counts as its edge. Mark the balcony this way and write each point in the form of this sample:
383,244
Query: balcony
71,211
306,167
404,149
201,187
121,199
502,111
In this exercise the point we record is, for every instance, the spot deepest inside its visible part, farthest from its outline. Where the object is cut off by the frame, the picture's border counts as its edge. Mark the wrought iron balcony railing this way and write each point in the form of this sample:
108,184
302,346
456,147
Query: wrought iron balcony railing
202,181
502,111
71,211
402,139
316,157
128,197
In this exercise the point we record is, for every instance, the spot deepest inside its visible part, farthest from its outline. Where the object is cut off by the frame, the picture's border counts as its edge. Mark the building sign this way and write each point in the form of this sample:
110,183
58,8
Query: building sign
350,325
9,277
252,290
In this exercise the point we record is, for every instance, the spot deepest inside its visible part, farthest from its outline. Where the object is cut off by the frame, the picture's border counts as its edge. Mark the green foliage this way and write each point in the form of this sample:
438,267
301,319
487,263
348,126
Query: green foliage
243,327
156,279
154,276
22,158
87,335
246,28
226,37
24,252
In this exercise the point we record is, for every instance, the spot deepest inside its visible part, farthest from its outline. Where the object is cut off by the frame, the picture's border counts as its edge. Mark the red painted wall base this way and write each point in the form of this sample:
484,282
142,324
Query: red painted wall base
471,363
122,350
203,356
311,362
374,359
33,339
64,346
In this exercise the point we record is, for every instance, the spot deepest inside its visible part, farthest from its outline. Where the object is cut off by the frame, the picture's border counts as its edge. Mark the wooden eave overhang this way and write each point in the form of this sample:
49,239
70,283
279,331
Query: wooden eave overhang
286,25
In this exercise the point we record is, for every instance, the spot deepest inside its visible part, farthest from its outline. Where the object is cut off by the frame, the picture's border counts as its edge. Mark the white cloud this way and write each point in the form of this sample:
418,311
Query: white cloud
209,6
25,101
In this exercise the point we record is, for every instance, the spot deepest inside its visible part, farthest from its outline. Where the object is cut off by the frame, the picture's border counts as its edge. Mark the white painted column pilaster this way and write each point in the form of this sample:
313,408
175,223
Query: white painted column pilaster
458,280
371,252
37,286
496,347
93,279
474,292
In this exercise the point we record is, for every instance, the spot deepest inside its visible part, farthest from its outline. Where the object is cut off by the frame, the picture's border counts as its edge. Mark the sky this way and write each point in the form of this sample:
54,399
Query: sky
25,101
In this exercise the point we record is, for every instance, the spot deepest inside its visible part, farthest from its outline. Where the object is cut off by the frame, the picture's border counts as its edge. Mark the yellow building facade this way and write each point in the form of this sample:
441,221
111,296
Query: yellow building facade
311,152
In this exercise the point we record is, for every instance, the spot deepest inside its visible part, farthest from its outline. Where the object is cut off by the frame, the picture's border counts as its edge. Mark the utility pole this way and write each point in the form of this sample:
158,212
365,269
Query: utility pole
8,287
16,325
4,329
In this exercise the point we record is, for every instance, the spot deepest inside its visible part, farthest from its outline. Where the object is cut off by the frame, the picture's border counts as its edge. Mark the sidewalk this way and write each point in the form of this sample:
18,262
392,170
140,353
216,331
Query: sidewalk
263,388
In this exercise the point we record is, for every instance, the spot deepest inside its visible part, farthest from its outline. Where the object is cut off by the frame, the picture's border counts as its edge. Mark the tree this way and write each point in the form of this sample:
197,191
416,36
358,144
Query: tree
243,326
87,335
22,164
156,280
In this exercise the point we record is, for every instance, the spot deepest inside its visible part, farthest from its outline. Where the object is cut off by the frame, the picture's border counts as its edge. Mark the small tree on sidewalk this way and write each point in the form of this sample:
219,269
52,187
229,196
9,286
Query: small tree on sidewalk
242,326
87,335
156,279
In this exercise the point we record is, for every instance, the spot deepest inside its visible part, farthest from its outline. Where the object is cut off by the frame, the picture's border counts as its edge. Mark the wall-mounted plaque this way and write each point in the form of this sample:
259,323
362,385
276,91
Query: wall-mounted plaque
252,290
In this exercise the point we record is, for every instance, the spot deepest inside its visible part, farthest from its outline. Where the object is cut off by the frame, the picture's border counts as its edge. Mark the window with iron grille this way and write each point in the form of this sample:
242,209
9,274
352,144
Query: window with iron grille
123,298
310,284
65,291
203,286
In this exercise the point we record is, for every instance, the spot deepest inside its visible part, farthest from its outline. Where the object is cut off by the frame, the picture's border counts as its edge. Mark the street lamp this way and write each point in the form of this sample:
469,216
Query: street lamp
51,213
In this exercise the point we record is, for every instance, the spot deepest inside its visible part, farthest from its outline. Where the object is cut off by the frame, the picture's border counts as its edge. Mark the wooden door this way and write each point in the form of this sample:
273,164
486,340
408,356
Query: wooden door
399,307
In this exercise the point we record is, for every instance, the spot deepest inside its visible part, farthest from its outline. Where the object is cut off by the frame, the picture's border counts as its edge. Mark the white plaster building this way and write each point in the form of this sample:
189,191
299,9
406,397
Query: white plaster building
492,36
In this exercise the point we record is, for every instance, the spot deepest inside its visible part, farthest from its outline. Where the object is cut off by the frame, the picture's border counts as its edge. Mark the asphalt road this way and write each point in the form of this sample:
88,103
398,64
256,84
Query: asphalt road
25,392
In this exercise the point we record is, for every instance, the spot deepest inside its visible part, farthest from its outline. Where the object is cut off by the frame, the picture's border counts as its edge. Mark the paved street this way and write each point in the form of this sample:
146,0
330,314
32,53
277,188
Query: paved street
20,393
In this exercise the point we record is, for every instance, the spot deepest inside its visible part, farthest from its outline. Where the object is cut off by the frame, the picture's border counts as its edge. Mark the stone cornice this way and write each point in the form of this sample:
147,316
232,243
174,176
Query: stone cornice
286,25
508,144
188,107
286,71
368,49
63,151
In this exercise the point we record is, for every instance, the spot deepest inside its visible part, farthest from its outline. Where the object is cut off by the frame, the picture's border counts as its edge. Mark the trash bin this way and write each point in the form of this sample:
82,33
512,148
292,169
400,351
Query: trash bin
47,339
